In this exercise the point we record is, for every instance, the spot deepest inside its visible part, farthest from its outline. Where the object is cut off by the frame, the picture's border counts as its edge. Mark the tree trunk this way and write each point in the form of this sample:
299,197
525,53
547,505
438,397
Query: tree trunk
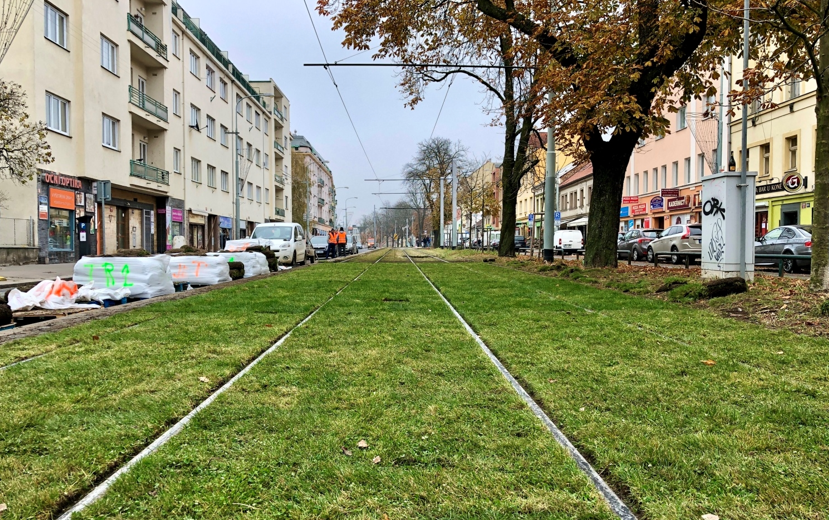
510,187
610,162
820,209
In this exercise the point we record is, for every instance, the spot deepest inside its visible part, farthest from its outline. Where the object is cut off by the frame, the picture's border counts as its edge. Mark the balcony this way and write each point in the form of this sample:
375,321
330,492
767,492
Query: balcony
278,179
279,147
148,104
145,35
320,202
321,220
321,182
150,173
280,212
279,116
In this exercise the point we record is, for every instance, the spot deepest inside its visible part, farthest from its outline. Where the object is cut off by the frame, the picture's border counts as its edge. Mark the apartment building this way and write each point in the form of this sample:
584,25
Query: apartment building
322,195
575,195
136,93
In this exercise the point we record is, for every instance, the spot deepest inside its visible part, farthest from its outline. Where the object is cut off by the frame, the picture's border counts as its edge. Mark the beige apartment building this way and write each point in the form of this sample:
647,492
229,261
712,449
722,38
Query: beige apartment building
322,195
136,93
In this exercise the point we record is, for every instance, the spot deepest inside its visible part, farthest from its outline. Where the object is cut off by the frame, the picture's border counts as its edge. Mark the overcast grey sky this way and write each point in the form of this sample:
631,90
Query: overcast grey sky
267,38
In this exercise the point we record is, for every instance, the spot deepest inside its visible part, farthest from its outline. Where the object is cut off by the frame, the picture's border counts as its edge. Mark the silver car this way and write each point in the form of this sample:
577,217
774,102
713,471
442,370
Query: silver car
685,238
787,240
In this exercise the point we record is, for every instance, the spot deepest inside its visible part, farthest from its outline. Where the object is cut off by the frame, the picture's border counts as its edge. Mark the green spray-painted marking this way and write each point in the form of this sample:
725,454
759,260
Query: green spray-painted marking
126,271
108,268
231,259
91,268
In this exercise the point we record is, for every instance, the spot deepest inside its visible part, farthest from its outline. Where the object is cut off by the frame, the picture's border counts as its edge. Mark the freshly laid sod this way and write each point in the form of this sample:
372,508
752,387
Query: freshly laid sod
69,418
384,362
632,383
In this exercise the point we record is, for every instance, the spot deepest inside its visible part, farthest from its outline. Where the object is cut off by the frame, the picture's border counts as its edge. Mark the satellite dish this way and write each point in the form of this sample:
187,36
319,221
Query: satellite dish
12,14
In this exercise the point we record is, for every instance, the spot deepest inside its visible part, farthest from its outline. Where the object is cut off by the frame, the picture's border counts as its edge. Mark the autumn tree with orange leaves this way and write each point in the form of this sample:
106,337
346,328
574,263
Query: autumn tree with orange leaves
611,65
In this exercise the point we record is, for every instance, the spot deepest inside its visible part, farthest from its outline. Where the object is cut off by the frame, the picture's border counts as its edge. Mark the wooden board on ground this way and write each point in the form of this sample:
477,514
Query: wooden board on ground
48,313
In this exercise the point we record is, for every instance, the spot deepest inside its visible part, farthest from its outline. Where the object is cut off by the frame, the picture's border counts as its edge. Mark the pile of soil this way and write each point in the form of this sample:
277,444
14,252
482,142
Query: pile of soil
273,261
128,253
5,314
237,270
273,264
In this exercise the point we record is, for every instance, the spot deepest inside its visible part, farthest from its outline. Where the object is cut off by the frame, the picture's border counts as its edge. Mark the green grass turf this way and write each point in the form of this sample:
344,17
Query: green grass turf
747,438
386,362
68,418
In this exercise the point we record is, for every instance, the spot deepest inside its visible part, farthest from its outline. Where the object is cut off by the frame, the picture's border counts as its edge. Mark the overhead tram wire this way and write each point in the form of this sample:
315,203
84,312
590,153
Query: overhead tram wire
419,65
445,97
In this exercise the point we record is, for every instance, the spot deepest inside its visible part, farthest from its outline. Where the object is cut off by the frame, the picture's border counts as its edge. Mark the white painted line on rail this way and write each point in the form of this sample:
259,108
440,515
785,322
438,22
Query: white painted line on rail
616,505
24,361
101,489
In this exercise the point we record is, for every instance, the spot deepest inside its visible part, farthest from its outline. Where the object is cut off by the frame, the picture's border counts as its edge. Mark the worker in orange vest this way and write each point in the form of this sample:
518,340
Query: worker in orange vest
332,244
341,240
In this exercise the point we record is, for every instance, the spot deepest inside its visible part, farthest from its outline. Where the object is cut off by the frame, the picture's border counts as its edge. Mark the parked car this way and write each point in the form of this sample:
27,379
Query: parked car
285,239
787,240
350,245
520,242
634,244
310,252
679,239
568,240
320,245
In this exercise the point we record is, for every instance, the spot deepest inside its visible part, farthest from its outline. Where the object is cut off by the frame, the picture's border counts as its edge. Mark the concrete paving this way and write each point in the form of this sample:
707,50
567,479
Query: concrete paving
33,273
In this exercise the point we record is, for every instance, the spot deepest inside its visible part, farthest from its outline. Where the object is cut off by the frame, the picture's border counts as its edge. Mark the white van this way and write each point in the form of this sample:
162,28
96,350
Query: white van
570,240
285,239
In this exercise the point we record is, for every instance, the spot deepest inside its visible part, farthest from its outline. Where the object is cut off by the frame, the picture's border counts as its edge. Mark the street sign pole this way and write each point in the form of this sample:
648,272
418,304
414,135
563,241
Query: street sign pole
550,193
454,206
442,224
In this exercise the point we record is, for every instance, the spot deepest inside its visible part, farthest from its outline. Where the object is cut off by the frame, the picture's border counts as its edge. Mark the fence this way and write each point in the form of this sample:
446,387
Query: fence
17,232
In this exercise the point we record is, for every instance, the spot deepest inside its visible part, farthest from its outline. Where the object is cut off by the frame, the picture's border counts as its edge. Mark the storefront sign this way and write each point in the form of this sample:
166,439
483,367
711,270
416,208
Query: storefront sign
639,209
178,215
678,203
792,182
43,212
624,212
43,199
657,204
61,180
630,200
62,199
669,194
806,205
225,222
195,219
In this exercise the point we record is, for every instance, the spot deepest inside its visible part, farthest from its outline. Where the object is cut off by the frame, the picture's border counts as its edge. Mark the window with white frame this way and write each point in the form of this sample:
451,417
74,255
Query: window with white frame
176,44
248,112
266,162
257,120
239,149
223,135
645,178
225,181
687,170
195,67
627,185
211,127
700,166
265,127
211,176
675,174
238,104
223,89
195,170
636,184
110,132
109,55
257,157
195,117
267,196
794,89
241,185
791,149
664,178
176,103
250,191
682,118
249,151
57,114
210,78
55,25
258,194
765,157
176,160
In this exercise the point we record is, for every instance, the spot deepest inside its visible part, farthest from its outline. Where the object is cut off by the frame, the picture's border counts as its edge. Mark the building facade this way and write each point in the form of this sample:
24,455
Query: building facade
136,93
575,195
322,194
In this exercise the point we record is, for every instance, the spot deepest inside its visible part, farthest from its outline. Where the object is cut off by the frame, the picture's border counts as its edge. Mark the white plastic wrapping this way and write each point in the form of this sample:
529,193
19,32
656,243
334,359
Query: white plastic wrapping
243,244
89,293
200,270
145,277
51,295
255,263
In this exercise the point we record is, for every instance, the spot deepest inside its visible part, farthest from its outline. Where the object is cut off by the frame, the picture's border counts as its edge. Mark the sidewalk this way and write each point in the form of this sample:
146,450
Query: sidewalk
33,273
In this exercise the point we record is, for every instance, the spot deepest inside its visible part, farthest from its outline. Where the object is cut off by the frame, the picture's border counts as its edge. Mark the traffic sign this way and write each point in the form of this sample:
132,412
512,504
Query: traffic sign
558,217
531,217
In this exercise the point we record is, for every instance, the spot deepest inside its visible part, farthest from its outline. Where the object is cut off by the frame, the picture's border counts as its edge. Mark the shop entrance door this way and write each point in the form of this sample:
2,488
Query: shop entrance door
122,226
148,230
790,215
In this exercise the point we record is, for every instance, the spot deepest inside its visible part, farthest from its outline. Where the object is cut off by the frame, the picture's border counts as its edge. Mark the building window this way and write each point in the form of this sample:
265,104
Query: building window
176,160
109,55
195,117
211,128
248,112
210,78
238,104
250,191
267,196
700,166
265,127
257,157
225,181
636,184
655,179
674,174
223,135
211,176
765,154
176,44
176,103
687,170
627,185
241,185
257,120
645,184
681,118
794,89
55,23
239,149
57,114
589,194
791,147
223,89
195,66
258,194
61,229
110,137
249,151
267,162
195,170
664,178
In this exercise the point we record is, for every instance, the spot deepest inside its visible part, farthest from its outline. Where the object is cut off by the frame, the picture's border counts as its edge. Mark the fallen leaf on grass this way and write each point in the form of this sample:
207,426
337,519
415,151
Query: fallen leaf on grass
376,459
709,362
96,338
385,516
581,409
710,517
552,380
3,508
780,352
269,326
346,451
204,379
362,444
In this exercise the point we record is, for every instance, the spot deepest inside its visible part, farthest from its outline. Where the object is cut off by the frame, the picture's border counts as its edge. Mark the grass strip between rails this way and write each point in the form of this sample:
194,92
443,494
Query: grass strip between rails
71,417
385,362
746,438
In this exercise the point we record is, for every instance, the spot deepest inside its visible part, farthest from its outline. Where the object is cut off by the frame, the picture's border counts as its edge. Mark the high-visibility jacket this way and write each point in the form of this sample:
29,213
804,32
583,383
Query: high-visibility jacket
341,237
332,237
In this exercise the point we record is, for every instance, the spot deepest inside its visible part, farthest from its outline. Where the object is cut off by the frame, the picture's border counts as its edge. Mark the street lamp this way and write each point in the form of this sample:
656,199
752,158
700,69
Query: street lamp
235,133
346,210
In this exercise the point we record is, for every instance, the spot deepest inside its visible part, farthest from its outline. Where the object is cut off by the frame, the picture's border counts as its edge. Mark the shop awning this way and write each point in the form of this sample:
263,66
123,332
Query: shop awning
578,222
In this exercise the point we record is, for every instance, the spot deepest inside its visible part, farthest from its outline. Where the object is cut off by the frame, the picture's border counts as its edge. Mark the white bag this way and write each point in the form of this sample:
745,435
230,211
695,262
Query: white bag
199,270
255,263
88,293
144,277
48,295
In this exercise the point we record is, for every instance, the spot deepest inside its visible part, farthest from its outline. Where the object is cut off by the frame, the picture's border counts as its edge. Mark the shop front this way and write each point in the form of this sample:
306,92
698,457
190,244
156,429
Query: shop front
66,218
225,230
670,207
784,203
196,229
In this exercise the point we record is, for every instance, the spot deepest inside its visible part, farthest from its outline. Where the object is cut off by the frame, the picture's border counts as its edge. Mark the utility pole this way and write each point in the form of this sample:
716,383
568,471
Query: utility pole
550,194
455,205
374,214
744,159
442,224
